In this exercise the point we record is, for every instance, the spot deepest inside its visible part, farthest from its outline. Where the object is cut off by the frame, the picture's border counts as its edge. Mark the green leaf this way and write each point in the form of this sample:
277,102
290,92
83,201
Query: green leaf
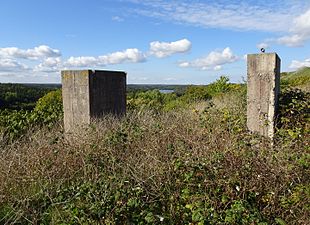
280,221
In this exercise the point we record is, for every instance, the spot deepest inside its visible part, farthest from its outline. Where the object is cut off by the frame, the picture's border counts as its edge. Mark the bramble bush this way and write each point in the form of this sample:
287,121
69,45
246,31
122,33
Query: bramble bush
294,113
13,123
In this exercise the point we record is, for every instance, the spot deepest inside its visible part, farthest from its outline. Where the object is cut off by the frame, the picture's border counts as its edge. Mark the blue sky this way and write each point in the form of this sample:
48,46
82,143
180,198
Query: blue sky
154,41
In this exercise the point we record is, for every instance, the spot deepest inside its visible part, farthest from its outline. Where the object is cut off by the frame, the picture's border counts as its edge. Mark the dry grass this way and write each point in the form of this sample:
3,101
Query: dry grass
210,153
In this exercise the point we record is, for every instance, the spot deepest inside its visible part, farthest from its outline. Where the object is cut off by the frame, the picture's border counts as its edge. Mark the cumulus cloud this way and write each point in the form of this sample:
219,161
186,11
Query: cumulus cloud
49,60
131,55
42,51
214,60
11,65
295,64
49,65
164,49
82,61
14,60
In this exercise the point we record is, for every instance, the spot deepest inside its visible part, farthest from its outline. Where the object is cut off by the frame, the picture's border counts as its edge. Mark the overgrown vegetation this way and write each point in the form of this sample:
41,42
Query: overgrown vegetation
174,159
156,101
47,112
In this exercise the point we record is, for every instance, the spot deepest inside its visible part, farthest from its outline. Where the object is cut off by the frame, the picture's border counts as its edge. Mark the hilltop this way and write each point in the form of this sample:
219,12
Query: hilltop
174,158
298,79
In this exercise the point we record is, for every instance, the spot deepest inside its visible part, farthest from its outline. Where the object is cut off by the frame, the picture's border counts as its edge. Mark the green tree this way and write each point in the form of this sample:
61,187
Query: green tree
48,109
221,85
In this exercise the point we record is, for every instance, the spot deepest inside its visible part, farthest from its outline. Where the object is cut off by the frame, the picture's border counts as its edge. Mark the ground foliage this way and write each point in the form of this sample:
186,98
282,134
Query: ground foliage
171,160
47,112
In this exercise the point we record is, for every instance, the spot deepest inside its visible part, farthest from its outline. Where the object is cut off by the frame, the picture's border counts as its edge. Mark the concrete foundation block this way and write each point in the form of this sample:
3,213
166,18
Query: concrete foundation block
263,72
89,94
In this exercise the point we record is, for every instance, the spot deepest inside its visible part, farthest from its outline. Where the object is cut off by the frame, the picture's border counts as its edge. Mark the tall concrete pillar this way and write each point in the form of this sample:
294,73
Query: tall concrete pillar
89,94
263,92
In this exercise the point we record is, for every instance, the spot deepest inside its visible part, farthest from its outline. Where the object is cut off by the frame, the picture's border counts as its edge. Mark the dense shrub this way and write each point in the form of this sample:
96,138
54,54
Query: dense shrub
146,100
47,112
220,86
13,123
294,113
196,93
48,109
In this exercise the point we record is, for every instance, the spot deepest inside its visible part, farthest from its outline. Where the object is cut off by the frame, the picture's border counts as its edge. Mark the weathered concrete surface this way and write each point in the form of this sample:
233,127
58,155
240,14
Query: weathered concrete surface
90,94
263,71
75,94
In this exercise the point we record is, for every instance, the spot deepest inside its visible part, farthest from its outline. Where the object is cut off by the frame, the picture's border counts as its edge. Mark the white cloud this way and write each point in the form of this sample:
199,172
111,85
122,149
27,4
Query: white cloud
46,62
82,61
217,68
131,55
49,65
271,16
298,32
117,19
11,65
286,16
11,59
295,64
164,49
263,45
42,51
214,60
184,64
295,40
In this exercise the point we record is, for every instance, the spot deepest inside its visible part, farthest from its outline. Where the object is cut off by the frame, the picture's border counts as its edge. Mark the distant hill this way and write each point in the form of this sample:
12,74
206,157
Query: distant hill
299,79
43,85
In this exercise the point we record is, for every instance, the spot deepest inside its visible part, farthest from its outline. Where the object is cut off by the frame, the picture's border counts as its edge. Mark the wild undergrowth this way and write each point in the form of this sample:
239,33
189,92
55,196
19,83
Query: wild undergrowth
197,165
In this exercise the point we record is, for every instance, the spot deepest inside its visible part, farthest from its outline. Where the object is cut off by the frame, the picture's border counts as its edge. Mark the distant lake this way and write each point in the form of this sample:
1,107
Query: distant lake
166,91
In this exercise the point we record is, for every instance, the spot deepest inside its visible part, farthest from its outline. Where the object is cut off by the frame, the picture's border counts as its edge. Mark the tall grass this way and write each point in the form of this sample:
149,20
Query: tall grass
197,165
